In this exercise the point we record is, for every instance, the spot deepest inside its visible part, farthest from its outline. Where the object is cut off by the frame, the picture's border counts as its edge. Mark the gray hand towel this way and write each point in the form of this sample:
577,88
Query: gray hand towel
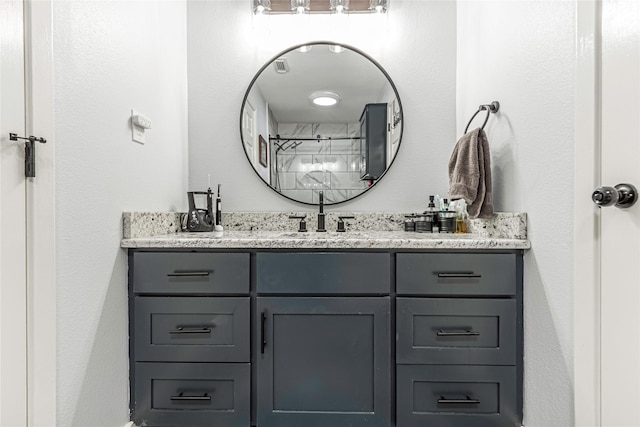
470,174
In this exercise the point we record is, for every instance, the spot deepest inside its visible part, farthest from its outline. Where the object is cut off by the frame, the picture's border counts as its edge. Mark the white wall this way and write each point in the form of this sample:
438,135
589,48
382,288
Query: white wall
415,43
110,56
522,53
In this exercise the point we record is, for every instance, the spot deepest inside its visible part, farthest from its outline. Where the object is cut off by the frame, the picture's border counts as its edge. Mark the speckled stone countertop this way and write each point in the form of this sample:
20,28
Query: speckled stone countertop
505,231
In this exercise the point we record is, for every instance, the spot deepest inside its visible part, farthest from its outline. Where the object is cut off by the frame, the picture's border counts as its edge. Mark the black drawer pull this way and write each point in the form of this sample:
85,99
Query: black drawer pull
461,275
188,274
468,401
463,333
181,330
182,397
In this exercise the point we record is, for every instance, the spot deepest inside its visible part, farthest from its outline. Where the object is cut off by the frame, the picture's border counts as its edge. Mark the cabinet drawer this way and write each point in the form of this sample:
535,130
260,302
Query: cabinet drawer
190,329
193,394
456,274
323,273
456,396
185,273
456,331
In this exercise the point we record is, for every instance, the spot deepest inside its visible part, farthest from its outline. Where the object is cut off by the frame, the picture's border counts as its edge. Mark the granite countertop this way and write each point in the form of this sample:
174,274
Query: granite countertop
505,231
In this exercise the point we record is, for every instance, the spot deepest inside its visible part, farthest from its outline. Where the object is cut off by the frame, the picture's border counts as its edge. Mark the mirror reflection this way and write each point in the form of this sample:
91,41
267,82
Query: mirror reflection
321,117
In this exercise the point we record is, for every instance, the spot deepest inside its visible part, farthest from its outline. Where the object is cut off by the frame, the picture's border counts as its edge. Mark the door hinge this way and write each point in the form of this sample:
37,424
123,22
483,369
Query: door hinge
29,152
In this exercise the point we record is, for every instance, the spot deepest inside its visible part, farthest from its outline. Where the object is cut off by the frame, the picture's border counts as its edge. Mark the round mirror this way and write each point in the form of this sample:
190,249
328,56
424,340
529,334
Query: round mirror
321,117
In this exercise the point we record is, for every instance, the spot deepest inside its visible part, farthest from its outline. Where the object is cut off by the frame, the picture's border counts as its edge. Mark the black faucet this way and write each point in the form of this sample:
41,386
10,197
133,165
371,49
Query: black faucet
321,214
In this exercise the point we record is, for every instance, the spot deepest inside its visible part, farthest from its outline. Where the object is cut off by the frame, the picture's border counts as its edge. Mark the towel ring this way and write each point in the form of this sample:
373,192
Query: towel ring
494,107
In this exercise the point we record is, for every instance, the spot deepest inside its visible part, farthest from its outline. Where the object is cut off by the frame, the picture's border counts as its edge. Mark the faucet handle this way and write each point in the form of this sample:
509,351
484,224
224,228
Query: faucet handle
303,224
341,222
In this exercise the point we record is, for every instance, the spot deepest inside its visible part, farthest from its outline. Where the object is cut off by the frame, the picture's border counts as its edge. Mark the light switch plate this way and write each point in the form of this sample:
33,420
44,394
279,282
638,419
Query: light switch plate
137,132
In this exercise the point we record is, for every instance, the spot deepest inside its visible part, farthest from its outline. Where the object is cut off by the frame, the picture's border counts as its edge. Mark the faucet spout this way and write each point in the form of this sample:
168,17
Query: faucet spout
321,213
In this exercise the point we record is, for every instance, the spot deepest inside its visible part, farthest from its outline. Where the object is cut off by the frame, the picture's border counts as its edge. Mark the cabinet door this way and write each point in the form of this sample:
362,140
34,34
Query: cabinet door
323,362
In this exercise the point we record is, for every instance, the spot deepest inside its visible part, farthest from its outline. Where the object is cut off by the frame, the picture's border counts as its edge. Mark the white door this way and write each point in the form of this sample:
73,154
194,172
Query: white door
13,291
249,131
607,240
620,228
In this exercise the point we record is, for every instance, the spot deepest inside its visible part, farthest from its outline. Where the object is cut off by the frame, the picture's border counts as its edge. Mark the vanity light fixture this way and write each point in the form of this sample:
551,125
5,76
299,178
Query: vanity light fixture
338,6
261,7
305,48
379,6
336,48
324,98
300,6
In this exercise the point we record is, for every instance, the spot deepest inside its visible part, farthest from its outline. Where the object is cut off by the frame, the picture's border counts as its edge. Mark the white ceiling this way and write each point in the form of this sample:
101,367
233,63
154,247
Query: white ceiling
356,78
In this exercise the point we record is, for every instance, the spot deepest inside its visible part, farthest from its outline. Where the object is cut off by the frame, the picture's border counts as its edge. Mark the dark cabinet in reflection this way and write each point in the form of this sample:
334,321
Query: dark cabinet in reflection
373,141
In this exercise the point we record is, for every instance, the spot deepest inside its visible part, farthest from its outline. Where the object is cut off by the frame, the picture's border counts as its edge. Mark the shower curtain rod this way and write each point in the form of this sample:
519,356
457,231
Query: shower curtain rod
318,138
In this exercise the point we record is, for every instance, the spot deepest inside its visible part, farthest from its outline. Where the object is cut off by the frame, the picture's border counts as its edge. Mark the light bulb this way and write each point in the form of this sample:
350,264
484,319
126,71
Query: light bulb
300,6
339,6
261,7
378,6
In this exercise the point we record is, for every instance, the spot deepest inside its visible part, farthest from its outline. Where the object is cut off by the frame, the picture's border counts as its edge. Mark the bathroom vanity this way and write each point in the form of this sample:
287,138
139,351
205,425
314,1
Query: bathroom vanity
274,329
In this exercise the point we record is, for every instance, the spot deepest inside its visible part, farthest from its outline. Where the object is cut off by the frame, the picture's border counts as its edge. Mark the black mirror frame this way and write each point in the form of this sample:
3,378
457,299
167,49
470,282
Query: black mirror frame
269,62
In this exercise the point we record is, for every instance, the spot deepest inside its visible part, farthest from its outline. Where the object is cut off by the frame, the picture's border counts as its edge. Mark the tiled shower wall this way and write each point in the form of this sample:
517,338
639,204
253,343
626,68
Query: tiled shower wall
332,166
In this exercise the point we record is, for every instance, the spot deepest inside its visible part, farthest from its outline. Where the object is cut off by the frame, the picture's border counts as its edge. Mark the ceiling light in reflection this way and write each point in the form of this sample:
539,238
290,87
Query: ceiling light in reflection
324,98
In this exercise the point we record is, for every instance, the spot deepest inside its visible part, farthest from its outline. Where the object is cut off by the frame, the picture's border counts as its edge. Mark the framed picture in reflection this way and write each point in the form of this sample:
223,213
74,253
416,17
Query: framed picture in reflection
262,147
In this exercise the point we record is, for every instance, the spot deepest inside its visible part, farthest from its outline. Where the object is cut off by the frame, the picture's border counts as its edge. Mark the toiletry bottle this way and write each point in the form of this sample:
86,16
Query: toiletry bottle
409,222
208,218
432,213
447,218
461,227
218,208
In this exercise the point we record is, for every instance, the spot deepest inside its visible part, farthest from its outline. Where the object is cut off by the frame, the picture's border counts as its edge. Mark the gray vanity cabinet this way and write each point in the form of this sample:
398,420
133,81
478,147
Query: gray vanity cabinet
189,327
459,340
357,338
